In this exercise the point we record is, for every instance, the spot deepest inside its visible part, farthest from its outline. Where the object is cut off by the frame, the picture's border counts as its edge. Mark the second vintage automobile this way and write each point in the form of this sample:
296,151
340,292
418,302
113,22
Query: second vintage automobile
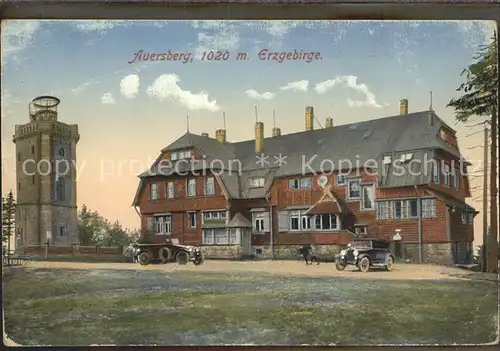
168,252
366,254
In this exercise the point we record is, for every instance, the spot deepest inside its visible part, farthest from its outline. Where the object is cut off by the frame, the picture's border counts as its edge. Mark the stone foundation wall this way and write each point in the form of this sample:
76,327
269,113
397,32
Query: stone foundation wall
431,253
222,251
287,252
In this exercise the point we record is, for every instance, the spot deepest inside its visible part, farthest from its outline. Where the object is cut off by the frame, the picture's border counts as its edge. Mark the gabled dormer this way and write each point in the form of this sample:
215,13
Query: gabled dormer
448,135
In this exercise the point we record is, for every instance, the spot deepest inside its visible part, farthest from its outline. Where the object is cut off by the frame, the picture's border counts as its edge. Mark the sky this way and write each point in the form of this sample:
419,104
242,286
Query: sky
128,108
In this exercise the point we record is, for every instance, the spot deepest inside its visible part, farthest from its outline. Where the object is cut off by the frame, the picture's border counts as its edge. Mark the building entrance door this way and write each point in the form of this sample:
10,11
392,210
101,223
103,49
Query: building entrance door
246,241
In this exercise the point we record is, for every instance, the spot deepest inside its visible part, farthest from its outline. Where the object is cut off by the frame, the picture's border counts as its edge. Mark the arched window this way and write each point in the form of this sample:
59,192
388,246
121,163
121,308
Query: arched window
61,152
61,189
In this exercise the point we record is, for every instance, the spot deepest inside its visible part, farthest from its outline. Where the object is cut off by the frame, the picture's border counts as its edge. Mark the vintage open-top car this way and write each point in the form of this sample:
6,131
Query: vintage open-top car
366,254
168,252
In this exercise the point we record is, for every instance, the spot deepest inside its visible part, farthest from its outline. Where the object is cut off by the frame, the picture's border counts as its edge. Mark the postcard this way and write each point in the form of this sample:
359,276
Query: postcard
248,182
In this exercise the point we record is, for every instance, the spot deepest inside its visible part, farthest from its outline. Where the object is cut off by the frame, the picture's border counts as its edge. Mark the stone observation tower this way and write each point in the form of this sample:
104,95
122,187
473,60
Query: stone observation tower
46,177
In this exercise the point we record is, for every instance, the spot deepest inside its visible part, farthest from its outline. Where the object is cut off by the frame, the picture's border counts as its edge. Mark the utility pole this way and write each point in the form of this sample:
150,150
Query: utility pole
493,243
484,250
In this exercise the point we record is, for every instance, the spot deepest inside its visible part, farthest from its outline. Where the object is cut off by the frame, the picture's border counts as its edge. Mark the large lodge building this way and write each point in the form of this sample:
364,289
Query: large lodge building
266,197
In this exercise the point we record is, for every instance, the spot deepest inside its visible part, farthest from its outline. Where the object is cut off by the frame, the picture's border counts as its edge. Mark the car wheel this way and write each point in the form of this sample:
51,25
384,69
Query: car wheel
165,254
389,264
144,258
199,260
364,264
339,266
182,257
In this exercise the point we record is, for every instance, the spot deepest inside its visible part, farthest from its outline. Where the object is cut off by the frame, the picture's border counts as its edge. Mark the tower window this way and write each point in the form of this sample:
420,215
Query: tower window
62,231
60,189
18,157
18,186
33,179
61,152
32,149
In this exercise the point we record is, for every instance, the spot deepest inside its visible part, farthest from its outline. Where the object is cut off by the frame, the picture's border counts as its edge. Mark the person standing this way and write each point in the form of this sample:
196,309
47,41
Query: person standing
313,254
304,251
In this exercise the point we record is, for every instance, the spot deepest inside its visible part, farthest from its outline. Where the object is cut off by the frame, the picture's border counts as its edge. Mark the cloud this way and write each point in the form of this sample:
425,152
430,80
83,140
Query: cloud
108,99
352,83
218,41
300,85
129,86
254,94
16,36
166,87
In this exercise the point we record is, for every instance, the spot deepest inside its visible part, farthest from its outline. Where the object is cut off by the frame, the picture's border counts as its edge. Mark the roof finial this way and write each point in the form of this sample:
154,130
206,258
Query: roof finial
430,107
274,119
224,119
256,114
187,123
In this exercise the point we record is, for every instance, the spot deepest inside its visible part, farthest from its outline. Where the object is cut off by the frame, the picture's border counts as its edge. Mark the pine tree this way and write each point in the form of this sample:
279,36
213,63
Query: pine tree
8,219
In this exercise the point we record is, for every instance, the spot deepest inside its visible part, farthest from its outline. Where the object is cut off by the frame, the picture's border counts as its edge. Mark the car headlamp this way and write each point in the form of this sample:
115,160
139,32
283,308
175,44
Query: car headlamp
356,252
342,253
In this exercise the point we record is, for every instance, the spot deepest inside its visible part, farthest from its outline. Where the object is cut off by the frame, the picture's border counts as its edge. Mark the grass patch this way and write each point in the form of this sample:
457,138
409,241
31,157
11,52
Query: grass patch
65,307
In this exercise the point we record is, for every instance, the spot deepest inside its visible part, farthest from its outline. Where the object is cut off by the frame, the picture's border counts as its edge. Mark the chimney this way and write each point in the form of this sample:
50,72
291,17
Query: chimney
259,137
204,135
220,135
403,107
276,132
309,118
328,122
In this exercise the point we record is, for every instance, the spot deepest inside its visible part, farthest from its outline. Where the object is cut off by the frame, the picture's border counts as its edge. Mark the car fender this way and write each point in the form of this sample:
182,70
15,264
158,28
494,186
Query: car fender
360,257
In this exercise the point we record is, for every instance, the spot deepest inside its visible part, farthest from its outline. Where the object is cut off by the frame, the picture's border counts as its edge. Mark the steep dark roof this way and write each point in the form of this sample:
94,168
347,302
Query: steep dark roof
356,142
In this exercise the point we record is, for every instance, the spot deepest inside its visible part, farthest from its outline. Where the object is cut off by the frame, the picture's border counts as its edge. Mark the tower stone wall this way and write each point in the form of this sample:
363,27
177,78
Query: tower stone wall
46,177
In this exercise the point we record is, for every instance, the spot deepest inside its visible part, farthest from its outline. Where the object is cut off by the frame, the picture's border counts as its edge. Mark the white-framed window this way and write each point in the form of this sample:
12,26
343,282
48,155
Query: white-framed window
233,237
326,221
447,174
163,224
300,183
412,208
387,160
192,220
170,190
306,183
360,230
257,182
306,223
435,171
180,155
456,178
214,215
153,191
209,186
258,224
464,217
353,189
294,220
340,179
383,210
208,237
397,209
428,208
191,187
368,197
218,236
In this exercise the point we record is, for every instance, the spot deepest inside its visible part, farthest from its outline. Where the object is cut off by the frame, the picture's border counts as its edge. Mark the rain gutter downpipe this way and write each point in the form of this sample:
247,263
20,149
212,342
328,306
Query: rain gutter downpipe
419,212
271,225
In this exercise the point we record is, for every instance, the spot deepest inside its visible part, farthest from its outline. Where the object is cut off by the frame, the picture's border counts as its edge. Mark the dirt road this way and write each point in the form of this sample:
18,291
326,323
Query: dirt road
287,268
